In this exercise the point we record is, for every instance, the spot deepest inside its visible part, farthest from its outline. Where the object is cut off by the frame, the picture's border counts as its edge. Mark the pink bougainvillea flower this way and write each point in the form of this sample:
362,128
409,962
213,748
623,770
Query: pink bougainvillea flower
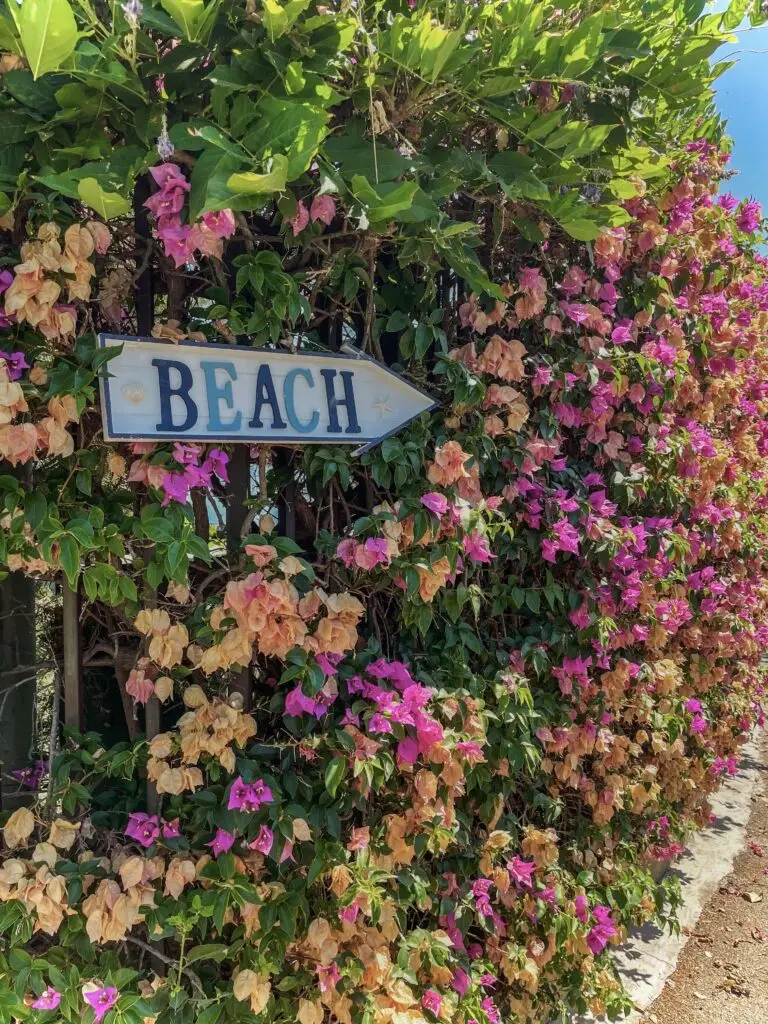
377,551
692,705
346,551
217,461
491,1010
15,364
408,751
101,1001
699,723
582,908
144,828
248,797
32,775
221,223
287,853
460,981
521,872
323,209
603,931
221,842
300,221
476,547
170,829
49,1000
327,976
435,503
328,663
176,488
432,1002
263,841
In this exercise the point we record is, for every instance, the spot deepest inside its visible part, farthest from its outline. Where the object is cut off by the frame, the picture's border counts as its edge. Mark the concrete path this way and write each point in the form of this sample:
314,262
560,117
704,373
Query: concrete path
649,959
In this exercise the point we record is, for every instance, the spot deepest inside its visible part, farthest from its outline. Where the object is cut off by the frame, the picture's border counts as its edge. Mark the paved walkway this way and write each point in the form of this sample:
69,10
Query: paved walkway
721,976
716,970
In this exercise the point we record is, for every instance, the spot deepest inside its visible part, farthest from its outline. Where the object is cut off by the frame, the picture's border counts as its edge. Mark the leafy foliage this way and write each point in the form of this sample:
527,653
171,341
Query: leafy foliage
507,654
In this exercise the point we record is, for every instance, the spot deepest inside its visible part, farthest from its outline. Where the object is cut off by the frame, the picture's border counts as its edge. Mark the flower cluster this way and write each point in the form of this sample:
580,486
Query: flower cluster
184,242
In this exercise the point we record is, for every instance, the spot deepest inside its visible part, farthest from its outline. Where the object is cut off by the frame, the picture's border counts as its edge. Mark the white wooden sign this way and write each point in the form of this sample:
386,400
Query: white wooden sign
156,390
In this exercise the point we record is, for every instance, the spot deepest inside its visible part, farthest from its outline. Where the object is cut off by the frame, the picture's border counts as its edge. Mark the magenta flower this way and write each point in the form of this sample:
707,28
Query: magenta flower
220,223
327,977
378,551
263,841
297,703
218,461
476,547
491,1010
143,828
749,217
300,221
582,908
323,209
221,842
692,705
699,723
49,1000
460,981
435,503
432,1002
601,933
521,872
170,829
15,364
407,751
101,1001
31,776
176,487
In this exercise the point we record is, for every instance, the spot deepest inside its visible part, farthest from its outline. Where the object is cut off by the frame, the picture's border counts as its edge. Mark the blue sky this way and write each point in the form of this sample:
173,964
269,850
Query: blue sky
742,97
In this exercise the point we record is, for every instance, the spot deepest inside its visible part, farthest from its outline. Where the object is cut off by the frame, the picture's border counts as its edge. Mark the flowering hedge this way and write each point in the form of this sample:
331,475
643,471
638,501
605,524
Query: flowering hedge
514,648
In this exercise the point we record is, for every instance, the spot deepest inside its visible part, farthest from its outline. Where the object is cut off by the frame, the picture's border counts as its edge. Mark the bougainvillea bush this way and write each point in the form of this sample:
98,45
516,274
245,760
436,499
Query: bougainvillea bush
420,760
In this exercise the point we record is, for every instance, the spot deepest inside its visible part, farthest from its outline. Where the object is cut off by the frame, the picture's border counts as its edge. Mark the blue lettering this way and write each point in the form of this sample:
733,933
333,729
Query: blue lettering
334,427
290,401
164,367
265,395
217,393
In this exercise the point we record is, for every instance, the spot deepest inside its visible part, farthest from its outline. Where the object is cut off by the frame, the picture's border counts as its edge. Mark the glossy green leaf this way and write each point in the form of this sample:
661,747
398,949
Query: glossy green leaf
334,773
251,183
107,204
280,18
48,33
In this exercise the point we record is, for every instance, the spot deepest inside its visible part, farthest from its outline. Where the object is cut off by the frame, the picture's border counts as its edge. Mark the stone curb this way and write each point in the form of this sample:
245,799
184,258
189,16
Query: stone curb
650,957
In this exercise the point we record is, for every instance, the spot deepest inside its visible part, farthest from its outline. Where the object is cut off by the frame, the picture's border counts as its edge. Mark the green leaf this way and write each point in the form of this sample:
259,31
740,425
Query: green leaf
584,46
250,183
160,530
582,229
334,773
48,33
9,39
622,188
516,173
69,558
208,951
735,14
188,15
107,204
288,127
386,201
279,18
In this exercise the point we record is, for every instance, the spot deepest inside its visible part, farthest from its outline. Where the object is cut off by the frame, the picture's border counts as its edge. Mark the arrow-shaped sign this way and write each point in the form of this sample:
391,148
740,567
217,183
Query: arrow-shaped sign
156,391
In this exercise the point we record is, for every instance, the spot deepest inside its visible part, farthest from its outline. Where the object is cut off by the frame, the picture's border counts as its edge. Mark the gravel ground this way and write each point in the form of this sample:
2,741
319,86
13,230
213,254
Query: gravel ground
722,974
